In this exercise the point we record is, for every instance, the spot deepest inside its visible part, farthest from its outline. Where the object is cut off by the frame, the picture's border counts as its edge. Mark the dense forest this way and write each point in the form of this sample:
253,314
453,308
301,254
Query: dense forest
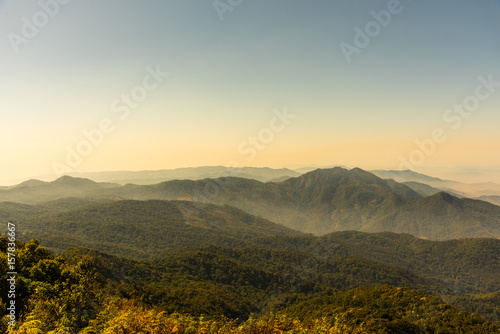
217,289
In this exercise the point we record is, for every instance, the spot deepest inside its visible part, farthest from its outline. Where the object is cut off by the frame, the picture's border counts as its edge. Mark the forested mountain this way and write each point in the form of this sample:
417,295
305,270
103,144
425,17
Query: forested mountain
215,289
389,310
438,217
320,202
226,250
142,229
466,264
136,229
336,199
146,260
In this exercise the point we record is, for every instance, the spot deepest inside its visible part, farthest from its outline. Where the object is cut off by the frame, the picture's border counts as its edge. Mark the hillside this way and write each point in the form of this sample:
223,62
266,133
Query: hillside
336,199
425,190
388,310
437,217
492,199
303,203
229,289
467,264
320,202
138,229
146,229
161,230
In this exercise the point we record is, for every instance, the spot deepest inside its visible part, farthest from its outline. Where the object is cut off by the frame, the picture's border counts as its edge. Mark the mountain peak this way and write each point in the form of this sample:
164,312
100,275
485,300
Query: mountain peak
31,183
70,180
338,188
445,197
344,175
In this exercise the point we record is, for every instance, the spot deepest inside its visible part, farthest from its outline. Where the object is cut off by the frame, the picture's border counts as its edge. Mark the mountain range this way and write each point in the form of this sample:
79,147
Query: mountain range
264,174
274,254
320,202
423,184
472,190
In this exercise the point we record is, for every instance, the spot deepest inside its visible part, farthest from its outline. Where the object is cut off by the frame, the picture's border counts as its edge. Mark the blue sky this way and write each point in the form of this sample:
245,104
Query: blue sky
225,78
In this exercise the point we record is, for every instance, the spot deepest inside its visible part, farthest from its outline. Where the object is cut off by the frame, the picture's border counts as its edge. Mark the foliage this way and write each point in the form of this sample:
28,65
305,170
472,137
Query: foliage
139,229
216,289
488,306
51,294
388,309
466,265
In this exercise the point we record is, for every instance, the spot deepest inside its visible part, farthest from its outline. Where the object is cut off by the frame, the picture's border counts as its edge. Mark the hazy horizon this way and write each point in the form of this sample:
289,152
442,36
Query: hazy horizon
464,176
90,86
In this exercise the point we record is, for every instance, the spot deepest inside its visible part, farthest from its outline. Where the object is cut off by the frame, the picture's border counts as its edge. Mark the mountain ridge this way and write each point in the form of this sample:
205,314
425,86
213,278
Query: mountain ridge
147,226
263,174
321,201
460,188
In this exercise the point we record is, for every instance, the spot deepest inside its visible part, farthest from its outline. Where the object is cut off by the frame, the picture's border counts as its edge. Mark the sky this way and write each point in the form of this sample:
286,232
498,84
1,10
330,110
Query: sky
90,85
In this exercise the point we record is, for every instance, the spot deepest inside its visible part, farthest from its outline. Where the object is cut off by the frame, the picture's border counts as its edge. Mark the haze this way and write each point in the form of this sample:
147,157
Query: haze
234,75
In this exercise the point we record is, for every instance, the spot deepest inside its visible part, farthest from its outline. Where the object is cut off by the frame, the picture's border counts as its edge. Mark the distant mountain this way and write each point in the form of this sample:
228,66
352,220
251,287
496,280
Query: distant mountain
438,217
34,191
492,199
304,203
321,201
463,189
407,176
336,199
321,184
307,169
280,179
423,189
30,183
263,174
